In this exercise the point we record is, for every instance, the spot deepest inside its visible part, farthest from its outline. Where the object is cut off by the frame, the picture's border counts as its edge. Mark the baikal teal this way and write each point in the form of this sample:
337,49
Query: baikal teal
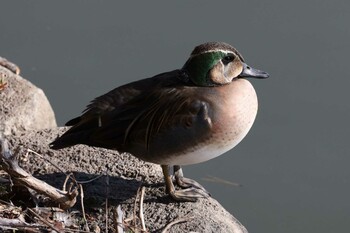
180,117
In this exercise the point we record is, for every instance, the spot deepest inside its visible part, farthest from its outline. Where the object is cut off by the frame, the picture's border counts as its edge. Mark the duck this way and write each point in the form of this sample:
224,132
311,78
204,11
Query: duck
176,118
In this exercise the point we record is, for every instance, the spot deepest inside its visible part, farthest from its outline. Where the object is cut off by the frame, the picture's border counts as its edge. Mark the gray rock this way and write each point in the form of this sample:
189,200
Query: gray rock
126,174
23,106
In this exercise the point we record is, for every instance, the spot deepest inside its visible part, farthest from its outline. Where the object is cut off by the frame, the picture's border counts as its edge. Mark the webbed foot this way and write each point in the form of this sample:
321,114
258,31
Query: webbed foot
193,190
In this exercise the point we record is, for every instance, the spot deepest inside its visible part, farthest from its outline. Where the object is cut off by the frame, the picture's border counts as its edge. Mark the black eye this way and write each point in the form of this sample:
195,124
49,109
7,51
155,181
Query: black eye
227,59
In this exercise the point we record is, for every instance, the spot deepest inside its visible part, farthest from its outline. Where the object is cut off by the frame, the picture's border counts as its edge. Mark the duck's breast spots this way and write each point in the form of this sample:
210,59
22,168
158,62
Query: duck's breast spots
235,112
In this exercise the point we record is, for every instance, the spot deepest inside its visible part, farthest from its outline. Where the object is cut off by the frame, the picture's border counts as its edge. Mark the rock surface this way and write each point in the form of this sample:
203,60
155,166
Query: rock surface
23,105
126,175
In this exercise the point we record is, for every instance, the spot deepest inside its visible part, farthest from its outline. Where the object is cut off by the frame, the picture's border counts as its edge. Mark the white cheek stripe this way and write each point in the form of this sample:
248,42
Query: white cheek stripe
214,51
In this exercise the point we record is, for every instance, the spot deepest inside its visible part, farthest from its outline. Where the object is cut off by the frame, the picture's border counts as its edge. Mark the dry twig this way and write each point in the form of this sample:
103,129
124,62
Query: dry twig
176,221
65,199
118,219
47,160
141,209
44,220
215,179
9,65
106,202
134,217
82,206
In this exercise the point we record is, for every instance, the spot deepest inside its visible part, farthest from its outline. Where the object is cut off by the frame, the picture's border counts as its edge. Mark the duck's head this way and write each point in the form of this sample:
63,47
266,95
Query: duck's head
217,63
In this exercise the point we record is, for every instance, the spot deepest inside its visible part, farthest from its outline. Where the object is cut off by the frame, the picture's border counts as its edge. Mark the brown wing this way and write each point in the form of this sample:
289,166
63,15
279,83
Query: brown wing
154,123
122,95
118,118
167,121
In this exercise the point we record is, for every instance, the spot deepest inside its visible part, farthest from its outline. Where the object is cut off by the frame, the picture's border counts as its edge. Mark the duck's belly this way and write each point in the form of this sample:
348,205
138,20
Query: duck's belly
231,121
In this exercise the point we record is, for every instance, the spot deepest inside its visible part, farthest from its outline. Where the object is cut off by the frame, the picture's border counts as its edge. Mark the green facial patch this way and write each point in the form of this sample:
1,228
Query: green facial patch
199,66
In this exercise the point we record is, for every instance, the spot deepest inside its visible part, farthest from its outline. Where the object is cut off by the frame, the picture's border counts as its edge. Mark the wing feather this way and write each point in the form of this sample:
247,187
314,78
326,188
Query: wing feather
147,118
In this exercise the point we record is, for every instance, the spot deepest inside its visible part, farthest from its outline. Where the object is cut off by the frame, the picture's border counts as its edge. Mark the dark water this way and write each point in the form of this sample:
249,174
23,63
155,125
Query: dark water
294,163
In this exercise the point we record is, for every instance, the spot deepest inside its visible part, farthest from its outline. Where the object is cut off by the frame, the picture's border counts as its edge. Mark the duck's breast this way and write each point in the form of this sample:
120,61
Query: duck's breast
233,111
